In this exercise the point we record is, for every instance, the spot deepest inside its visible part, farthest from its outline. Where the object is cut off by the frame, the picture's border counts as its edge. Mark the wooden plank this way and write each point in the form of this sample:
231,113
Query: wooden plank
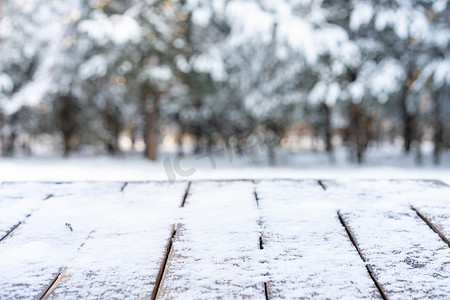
437,218
369,268
434,209
308,252
215,253
408,259
17,201
92,240
125,255
40,248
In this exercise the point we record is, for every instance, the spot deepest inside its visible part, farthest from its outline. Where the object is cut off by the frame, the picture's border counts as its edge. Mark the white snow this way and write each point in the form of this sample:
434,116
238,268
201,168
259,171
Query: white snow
406,255
380,80
124,254
439,5
217,245
299,36
361,15
159,73
96,66
210,62
382,162
118,29
249,21
201,16
109,243
307,250
30,95
44,244
116,238
439,70
6,84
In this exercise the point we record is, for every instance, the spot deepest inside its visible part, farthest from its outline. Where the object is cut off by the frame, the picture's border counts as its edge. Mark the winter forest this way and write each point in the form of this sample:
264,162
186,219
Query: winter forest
132,75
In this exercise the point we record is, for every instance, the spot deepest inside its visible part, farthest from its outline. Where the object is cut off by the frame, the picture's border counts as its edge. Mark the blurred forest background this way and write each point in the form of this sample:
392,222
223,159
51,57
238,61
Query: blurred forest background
133,75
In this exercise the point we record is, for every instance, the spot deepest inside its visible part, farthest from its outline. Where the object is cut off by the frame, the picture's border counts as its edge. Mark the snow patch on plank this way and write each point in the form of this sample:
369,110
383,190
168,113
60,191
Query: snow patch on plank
216,251
123,259
43,245
307,249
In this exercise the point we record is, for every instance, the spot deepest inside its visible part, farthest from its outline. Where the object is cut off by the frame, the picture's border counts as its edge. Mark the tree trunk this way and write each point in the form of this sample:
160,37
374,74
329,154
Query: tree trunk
180,150
67,145
418,140
271,155
355,131
360,154
360,131
407,117
438,139
325,112
151,113
8,144
408,121
438,135
68,121
151,135
419,156
327,127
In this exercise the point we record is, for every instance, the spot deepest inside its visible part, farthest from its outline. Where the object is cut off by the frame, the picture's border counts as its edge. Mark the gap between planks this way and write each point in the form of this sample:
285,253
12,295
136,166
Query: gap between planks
168,250
61,274
364,259
186,194
124,185
54,284
266,285
431,225
163,268
10,232
320,182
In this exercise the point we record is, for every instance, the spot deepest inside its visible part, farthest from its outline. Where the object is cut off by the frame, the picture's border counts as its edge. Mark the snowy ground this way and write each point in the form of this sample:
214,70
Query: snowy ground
382,163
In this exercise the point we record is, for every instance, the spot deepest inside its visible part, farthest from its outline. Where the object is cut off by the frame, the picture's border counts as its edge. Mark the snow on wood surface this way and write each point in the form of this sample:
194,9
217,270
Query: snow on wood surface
216,252
437,218
42,245
17,201
233,239
407,257
307,250
434,210
409,260
124,255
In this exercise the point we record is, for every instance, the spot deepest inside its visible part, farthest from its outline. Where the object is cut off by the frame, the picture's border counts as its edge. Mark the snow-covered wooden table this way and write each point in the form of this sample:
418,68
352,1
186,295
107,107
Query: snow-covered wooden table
225,239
